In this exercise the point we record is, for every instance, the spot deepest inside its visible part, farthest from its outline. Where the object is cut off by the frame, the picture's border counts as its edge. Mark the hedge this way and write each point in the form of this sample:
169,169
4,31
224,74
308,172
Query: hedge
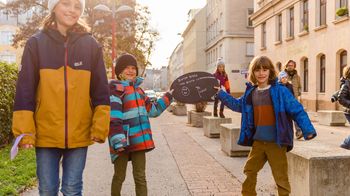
8,78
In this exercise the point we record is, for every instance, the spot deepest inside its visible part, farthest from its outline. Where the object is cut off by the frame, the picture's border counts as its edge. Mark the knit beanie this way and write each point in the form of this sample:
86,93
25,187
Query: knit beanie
123,61
220,61
52,3
281,75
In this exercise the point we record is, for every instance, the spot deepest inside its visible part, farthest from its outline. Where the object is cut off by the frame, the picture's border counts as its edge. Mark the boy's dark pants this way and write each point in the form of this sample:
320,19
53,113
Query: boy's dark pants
138,160
276,156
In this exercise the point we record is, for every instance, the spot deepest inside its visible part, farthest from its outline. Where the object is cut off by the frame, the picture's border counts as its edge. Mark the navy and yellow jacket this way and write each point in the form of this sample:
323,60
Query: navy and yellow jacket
62,97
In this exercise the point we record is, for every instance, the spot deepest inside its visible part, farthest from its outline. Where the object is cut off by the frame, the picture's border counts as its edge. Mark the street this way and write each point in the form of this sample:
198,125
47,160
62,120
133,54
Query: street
185,162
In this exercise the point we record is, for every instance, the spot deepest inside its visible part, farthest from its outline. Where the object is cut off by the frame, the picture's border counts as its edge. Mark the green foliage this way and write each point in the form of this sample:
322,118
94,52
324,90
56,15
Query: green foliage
8,77
19,174
134,34
342,11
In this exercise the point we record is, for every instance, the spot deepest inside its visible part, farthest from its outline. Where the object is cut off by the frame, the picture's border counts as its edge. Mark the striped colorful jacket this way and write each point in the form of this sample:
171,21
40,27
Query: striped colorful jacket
130,109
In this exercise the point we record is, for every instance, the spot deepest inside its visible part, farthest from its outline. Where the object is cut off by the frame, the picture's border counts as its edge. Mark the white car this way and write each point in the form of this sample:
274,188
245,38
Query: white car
151,94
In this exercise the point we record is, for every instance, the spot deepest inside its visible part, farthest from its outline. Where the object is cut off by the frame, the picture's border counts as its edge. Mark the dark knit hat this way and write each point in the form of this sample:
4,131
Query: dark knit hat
123,61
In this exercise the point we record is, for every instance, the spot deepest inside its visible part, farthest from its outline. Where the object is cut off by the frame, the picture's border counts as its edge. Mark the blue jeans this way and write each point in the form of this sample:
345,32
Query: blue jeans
48,164
346,142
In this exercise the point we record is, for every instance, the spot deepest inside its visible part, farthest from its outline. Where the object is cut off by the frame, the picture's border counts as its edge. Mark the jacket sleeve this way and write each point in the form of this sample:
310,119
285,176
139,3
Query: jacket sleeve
154,109
298,114
99,97
227,85
116,137
229,101
299,86
343,95
25,99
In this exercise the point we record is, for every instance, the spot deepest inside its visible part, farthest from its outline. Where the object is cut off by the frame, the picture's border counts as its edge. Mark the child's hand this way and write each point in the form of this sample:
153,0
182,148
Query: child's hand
94,139
120,149
27,146
309,137
171,91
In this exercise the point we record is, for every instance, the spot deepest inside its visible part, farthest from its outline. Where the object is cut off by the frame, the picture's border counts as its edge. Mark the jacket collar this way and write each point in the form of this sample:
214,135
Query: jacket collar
136,82
250,85
72,36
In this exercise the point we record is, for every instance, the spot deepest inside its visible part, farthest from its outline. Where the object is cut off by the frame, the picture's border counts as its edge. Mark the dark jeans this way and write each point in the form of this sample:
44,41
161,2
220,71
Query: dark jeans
216,105
347,140
48,165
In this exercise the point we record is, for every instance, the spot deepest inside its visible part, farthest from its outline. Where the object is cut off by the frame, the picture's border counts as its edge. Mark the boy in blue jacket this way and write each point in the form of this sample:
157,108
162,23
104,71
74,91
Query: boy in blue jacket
266,108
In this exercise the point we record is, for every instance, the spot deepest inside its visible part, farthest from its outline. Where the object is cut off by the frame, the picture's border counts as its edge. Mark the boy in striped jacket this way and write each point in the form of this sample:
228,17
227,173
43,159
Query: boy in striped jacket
130,135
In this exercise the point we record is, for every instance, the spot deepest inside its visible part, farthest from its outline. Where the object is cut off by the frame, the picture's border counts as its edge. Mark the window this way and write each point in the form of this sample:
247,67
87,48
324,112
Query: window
291,23
306,75
250,12
6,37
279,66
323,10
341,8
250,49
305,16
10,58
263,35
279,28
343,61
322,73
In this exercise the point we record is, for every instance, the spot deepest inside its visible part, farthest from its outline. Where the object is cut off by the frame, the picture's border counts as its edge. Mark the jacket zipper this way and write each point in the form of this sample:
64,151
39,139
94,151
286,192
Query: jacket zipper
138,110
66,95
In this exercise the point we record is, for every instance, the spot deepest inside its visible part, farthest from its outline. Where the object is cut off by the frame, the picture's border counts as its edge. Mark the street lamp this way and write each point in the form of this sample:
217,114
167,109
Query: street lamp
104,10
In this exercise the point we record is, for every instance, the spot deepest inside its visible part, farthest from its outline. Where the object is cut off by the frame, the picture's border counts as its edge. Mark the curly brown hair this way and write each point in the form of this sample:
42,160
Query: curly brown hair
261,62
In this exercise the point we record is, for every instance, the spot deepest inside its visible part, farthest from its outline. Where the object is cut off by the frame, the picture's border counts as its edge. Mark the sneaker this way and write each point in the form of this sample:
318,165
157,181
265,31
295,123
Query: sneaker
298,134
346,144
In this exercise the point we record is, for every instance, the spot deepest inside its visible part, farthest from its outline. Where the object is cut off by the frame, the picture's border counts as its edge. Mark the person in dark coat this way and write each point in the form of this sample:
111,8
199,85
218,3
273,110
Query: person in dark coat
344,100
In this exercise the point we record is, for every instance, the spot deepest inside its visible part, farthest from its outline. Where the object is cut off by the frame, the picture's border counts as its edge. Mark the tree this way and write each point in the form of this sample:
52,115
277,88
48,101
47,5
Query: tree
134,34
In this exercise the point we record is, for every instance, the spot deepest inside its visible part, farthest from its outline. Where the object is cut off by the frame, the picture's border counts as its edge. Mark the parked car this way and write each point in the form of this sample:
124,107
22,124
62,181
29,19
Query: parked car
151,94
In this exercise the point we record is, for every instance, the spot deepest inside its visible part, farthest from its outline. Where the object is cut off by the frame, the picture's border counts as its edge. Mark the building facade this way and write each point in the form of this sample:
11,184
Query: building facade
8,27
175,66
230,36
312,33
194,41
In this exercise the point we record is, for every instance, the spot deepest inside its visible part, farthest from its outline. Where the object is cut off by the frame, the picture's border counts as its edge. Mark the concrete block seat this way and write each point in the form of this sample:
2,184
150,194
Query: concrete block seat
331,118
229,135
211,125
195,119
317,169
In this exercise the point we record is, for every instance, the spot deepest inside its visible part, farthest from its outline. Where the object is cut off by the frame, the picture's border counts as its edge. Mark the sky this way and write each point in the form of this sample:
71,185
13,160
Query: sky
169,17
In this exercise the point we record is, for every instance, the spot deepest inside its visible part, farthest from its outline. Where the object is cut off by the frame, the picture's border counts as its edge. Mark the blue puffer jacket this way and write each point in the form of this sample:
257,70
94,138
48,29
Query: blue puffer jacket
286,108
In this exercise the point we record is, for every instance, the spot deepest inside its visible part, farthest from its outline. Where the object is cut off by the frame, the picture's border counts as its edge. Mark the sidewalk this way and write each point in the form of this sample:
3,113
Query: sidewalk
185,162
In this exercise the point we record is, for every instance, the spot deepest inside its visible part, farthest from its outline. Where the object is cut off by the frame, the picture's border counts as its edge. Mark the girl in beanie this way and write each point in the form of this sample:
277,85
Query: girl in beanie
130,135
62,100
220,74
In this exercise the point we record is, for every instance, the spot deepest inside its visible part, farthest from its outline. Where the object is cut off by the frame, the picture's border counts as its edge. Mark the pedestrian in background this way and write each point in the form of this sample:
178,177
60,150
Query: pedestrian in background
270,137
344,100
283,79
130,135
294,79
62,100
221,75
